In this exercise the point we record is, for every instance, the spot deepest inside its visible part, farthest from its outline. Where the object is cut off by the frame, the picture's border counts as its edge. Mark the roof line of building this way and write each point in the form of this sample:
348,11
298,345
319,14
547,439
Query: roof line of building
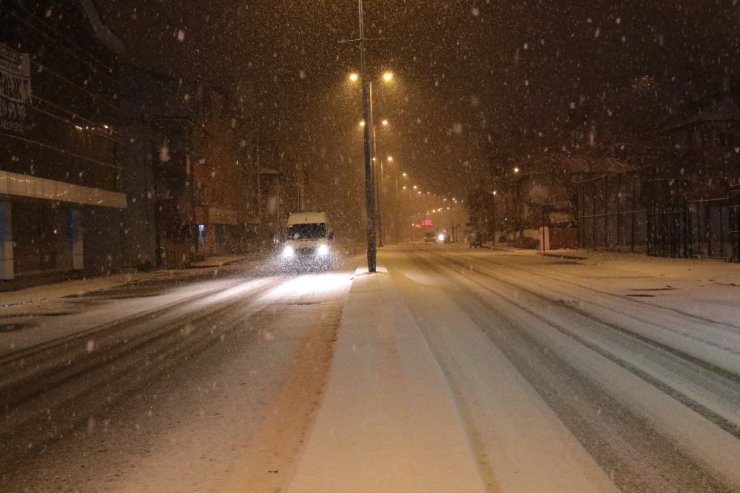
102,31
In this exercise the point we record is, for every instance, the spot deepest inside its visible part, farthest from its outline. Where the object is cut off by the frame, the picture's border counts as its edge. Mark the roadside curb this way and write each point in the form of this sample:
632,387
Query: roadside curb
567,256
216,261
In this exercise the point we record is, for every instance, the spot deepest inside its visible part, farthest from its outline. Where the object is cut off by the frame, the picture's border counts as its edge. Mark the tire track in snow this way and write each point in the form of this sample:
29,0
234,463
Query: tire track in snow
627,448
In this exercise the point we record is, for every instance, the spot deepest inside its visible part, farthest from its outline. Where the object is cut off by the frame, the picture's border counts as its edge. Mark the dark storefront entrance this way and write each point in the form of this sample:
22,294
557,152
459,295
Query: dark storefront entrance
41,237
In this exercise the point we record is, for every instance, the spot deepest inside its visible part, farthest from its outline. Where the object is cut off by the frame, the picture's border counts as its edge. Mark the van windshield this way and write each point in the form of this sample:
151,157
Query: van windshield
307,231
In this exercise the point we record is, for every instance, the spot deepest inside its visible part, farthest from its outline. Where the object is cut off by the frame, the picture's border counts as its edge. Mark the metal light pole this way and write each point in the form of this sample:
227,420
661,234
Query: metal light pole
494,219
369,195
377,169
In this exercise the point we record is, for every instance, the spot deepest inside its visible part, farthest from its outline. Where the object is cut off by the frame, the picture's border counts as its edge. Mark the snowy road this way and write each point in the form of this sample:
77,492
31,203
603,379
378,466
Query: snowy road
184,383
648,386
449,370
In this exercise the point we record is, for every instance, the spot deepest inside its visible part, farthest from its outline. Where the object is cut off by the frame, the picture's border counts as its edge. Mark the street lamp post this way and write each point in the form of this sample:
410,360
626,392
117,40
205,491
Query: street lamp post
376,164
493,228
369,198
377,169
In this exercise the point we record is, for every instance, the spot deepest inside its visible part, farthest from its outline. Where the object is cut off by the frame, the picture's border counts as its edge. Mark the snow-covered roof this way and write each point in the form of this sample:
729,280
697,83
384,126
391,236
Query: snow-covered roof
307,217
726,109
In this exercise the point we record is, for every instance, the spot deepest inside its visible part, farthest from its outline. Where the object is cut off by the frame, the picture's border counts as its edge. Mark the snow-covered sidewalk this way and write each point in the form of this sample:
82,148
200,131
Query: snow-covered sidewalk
388,421
47,293
221,260
711,270
27,299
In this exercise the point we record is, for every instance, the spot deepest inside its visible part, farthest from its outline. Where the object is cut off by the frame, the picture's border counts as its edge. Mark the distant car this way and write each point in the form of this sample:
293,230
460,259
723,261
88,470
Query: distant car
476,240
430,237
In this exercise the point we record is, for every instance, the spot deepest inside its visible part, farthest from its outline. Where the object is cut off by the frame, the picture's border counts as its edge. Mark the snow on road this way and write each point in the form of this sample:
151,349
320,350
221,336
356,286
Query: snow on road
388,421
219,398
520,443
690,440
452,370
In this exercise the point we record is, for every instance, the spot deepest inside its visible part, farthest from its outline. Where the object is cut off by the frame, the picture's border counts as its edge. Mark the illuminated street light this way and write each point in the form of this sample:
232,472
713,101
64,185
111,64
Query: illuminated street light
516,169
375,195
390,159
415,187
387,76
362,123
404,174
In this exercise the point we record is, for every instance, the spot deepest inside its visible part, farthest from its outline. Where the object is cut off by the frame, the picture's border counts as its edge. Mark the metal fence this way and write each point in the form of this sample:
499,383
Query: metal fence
698,229
611,213
632,212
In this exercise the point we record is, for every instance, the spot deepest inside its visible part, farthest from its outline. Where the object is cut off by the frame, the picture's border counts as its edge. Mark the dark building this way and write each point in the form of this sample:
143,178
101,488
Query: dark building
61,194
193,191
676,201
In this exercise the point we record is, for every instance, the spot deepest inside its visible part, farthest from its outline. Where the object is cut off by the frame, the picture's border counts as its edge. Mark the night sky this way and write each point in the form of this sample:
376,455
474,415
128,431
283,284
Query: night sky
478,83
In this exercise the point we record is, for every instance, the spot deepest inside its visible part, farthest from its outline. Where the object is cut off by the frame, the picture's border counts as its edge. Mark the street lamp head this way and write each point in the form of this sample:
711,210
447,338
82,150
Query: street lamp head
388,76
405,187
404,174
516,169
384,123
362,123
354,77
415,187
494,192
390,159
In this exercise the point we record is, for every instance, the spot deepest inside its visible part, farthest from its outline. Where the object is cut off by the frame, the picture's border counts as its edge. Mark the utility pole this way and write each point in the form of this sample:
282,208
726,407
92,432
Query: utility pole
377,164
369,195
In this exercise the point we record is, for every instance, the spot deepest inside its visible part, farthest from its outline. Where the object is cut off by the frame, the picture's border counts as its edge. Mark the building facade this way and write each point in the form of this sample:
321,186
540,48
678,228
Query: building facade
191,185
61,194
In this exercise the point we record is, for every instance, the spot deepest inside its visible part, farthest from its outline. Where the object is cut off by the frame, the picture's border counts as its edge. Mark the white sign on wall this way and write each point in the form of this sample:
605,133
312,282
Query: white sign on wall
15,90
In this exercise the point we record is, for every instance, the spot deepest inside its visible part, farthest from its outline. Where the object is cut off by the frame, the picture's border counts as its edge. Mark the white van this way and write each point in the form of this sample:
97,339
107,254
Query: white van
308,237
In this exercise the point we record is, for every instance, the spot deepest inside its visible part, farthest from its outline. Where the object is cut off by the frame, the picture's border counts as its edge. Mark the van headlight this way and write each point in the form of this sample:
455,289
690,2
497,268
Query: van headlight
288,251
323,250
440,237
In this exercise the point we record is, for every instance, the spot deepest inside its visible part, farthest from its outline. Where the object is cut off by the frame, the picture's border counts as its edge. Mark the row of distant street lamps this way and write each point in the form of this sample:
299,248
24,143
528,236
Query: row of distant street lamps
376,178
378,172
369,150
